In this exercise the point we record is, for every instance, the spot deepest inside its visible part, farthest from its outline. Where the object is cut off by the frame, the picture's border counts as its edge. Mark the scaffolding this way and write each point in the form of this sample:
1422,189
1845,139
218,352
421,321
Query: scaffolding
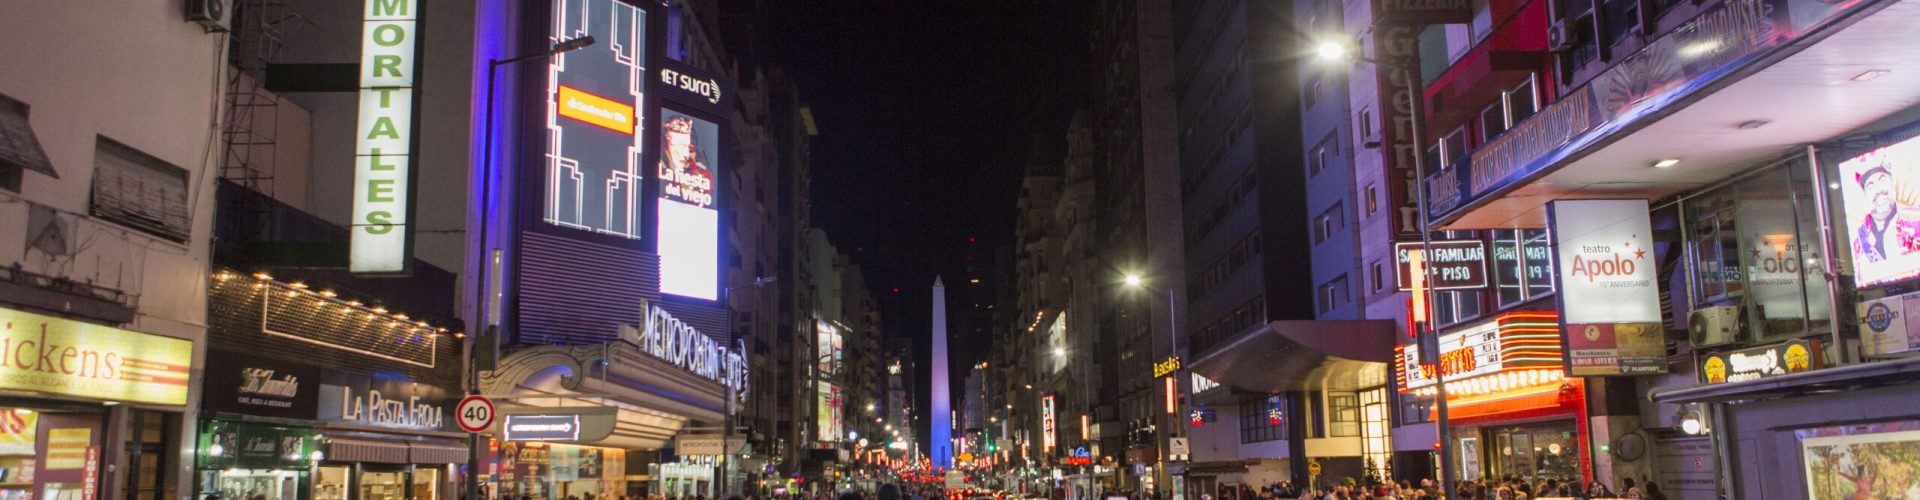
253,112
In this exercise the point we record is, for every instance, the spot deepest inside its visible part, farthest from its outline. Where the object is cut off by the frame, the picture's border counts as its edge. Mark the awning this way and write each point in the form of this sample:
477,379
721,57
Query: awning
655,399
367,449
1898,371
1285,356
374,452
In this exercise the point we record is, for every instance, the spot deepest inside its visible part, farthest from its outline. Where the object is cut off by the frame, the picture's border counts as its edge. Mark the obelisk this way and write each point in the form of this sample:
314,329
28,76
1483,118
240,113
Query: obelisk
942,412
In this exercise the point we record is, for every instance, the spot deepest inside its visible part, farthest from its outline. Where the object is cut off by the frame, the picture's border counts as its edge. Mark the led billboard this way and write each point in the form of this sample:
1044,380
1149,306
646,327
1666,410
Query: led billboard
595,95
689,228
1881,191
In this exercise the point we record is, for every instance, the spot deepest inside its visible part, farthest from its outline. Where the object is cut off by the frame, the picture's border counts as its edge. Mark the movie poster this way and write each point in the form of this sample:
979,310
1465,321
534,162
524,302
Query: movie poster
1881,191
1862,461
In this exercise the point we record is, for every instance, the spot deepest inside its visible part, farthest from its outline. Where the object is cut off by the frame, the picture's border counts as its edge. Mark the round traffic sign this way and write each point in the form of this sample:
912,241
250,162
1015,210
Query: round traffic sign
1313,468
475,413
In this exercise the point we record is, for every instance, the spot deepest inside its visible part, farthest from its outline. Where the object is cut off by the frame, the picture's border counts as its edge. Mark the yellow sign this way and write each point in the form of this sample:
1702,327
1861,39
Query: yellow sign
60,356
67,448
1313,468
1166,366
964,457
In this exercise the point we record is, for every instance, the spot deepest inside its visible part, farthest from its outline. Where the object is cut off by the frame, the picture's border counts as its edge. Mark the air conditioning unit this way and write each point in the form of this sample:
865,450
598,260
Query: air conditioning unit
1559,38
214,15
1712,326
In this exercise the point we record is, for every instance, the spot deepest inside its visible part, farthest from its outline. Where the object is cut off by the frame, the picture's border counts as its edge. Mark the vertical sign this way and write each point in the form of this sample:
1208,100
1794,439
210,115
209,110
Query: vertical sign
1046,423
1609,290
689,226
383,139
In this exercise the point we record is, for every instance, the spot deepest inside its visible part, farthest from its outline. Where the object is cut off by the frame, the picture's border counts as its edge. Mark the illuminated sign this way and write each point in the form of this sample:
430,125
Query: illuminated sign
703,88
1047,440
50,355
540,428
1883,213
1514,341
1455,265
665,337
593,167
1609,287
383,139
689,227
1166,366
1760,362
829,410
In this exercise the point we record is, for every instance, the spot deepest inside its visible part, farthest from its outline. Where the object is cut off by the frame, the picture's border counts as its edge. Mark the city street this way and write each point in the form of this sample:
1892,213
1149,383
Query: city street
977,250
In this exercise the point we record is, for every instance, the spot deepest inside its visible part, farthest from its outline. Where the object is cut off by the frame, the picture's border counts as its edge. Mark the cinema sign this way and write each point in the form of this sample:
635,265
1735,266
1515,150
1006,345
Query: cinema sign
665,337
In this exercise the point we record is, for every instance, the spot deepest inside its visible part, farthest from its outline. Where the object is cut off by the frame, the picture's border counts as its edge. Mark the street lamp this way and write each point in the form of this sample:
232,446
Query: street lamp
489,323
1335,51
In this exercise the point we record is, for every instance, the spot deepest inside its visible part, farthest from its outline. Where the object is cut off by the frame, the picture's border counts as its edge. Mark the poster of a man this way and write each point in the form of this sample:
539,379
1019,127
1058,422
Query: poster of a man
1882,193
685,172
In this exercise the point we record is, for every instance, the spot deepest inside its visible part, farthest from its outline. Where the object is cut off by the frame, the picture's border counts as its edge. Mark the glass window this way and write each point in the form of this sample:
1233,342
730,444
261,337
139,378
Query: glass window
1508,286
330,483
1263,420
1373,199
1752,246
1493,122
1454,147
1343,414
1364,121
1522,101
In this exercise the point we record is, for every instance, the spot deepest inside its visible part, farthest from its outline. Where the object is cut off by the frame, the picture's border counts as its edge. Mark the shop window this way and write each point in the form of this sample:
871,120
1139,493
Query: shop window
1753,244
139,191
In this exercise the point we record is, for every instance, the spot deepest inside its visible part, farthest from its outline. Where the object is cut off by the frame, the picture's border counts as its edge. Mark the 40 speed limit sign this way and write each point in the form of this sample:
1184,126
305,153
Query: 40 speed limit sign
475,413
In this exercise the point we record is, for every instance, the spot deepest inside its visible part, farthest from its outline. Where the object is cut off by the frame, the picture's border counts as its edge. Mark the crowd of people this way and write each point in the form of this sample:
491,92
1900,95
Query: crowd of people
1508,488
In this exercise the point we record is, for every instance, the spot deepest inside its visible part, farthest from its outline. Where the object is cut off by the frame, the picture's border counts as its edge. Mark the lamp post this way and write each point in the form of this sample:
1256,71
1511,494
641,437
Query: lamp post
488,317
726,429
1173,393
1333,51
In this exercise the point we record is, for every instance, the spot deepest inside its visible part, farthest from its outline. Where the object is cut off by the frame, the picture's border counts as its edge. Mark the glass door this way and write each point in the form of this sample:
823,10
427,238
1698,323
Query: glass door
426,483
383,484
330,482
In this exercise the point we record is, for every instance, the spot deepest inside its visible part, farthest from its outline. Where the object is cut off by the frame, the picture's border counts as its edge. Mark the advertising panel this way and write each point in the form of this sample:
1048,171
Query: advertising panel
252,445
255,386
1886,325
1466,353
1760,362
1048,423
1881,193
594,144
383,140
689,226
1456,265
57,356
1880,460
1609,291
18,428
828,412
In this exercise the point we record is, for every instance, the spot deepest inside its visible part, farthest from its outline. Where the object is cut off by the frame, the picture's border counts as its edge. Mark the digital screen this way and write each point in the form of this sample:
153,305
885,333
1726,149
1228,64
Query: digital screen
689,229
829,412
594,146
1881,190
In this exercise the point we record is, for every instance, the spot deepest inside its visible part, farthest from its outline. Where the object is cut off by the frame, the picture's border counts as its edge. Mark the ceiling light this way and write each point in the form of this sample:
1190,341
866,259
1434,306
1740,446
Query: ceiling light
1869,75
1666,162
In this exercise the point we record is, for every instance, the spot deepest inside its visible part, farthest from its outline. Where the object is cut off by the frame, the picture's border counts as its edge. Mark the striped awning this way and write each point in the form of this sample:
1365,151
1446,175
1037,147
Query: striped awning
437,451
355,450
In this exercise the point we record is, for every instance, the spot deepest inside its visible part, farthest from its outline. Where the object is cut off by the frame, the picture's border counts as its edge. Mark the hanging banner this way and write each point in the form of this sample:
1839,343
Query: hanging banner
1609,290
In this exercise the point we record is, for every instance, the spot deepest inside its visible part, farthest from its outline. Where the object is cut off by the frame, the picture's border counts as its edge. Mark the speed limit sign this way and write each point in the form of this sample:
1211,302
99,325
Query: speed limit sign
475,413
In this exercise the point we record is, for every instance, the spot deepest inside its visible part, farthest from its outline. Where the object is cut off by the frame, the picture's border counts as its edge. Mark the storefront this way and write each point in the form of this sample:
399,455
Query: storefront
386,437
84,401
257,428
543,470
1511,409
1795,401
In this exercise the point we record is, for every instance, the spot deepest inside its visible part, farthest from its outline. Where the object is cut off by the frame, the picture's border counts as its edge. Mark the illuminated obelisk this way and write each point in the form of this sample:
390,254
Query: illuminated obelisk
942,412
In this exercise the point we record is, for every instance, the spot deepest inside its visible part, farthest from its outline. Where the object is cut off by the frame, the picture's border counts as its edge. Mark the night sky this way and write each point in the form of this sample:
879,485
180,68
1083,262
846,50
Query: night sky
926,112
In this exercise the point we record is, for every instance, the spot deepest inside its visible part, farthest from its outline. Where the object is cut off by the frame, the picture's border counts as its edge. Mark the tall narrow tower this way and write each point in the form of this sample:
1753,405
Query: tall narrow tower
942,414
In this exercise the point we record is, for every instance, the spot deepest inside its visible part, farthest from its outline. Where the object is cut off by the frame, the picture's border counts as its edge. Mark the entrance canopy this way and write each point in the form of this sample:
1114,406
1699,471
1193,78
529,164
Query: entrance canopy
1285,356
655,399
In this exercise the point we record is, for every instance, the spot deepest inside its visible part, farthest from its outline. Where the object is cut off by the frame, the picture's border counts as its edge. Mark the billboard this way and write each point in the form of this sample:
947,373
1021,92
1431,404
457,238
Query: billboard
1878,460
594,146
1881,192
689,226
830,406
1609,287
